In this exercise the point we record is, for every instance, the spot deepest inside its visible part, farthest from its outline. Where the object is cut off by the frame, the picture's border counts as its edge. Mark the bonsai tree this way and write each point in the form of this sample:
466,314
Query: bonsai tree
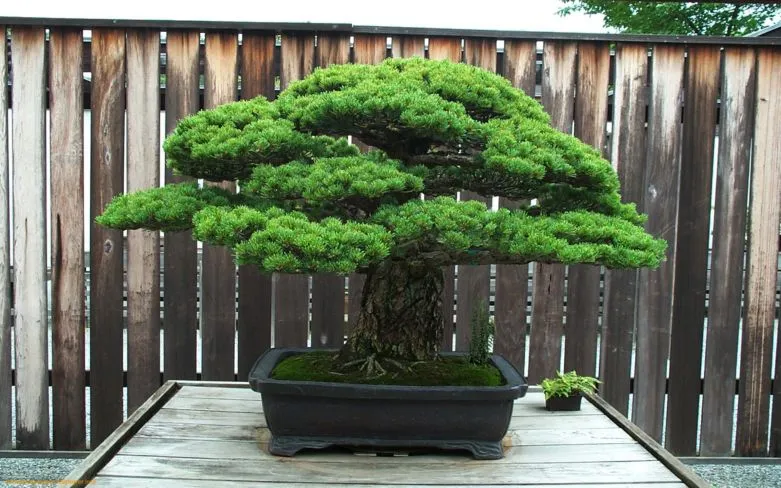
309,202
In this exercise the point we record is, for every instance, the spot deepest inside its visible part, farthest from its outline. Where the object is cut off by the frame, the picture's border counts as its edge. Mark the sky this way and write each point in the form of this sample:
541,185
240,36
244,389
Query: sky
523,15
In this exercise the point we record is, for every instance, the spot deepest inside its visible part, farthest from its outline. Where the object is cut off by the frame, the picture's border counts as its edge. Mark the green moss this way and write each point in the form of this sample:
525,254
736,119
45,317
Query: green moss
444,371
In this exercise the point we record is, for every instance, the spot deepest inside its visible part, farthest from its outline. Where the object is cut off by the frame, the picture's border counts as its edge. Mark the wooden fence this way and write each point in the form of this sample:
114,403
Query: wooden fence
673,114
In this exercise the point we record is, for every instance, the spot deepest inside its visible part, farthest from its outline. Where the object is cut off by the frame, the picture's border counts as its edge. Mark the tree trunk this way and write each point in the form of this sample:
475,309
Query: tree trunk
401,313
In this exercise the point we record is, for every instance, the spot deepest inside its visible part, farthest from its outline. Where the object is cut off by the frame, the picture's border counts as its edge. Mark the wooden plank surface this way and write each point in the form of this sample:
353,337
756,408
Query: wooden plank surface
180,264
580,347
761,263
218,275
5,260
408,46
628,158
558,93
654,302
107,163
332,48
512,281
29,207
254,308
729,230
691,255
122,482
369,49
447,48
143,246
67,241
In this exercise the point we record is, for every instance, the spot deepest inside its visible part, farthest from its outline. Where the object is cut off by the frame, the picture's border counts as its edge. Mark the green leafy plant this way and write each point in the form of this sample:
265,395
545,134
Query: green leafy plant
309,202
482,335
568,384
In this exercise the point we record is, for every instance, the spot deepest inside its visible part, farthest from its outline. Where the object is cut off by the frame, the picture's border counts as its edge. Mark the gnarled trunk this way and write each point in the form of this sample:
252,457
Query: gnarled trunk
401,313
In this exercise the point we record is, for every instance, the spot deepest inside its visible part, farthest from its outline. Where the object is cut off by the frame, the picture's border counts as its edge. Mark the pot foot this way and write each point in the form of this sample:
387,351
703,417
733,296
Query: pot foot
290,445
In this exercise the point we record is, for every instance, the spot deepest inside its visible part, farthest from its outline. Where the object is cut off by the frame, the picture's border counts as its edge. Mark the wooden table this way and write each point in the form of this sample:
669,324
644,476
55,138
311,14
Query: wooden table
201,434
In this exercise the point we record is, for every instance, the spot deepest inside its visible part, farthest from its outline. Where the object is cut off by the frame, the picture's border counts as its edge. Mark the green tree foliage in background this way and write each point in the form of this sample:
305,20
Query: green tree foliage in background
309,202
678,18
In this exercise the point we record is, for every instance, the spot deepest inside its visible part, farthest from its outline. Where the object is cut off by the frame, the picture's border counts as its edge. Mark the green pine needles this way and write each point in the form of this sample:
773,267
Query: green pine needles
311,202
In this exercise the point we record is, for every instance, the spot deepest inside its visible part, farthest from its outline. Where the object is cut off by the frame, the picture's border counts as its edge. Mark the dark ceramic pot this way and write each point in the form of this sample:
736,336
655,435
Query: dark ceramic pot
563,404
306,414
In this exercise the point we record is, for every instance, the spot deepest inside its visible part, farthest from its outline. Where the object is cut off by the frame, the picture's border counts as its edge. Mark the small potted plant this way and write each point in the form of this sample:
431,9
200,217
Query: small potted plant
309,202
564,392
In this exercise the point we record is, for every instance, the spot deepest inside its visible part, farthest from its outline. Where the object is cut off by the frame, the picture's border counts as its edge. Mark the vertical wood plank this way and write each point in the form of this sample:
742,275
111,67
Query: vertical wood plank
107,175
761,262
580,347
558,93
691,255
408,46
628,158
328,289
5,257
654,312
218,271
512,281
29,180
473,286
447,48
180,259
143,246
729,231
291,291
254,321
370,49
67,241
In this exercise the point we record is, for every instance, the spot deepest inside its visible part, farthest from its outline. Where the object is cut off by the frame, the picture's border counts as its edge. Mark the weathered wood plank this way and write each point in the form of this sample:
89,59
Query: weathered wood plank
143,247
180,320
67,241
123,482
512,281
408,46
368,472
332,48
628,158
654,303
761,262
691,255
107,162
5,259
447,48
29,204
369,49
218,275
580,347
558,94
254,309
729,230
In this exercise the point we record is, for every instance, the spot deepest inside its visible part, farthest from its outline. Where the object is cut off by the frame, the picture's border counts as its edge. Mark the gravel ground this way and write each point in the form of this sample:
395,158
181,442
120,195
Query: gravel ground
720,475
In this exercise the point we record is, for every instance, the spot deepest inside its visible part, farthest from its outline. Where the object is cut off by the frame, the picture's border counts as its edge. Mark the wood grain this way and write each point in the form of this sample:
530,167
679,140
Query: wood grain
136,482
761,263
558,94
67,241
29,207
5,259
107,165
254,309
691,255
729,230
143,247
291,310
355,284
654,303
408,46
218,271
370,49
180,264
628,158
445,48
583,285
512,281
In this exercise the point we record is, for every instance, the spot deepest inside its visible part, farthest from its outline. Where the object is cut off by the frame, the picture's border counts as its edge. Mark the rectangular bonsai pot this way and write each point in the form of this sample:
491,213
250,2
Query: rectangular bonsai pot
307,414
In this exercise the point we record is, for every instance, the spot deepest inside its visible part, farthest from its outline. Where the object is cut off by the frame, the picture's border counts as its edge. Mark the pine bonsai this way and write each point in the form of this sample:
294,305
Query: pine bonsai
309,202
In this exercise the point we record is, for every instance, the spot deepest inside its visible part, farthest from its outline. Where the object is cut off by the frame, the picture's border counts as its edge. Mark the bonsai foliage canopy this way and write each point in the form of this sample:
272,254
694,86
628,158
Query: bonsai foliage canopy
309,202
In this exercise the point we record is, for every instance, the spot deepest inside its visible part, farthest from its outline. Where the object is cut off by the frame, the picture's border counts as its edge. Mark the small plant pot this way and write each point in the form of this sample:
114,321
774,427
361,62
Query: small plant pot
563,404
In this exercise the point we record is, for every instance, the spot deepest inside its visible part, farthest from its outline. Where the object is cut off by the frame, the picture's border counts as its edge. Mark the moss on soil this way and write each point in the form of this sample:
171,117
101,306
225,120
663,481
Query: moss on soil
443,371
